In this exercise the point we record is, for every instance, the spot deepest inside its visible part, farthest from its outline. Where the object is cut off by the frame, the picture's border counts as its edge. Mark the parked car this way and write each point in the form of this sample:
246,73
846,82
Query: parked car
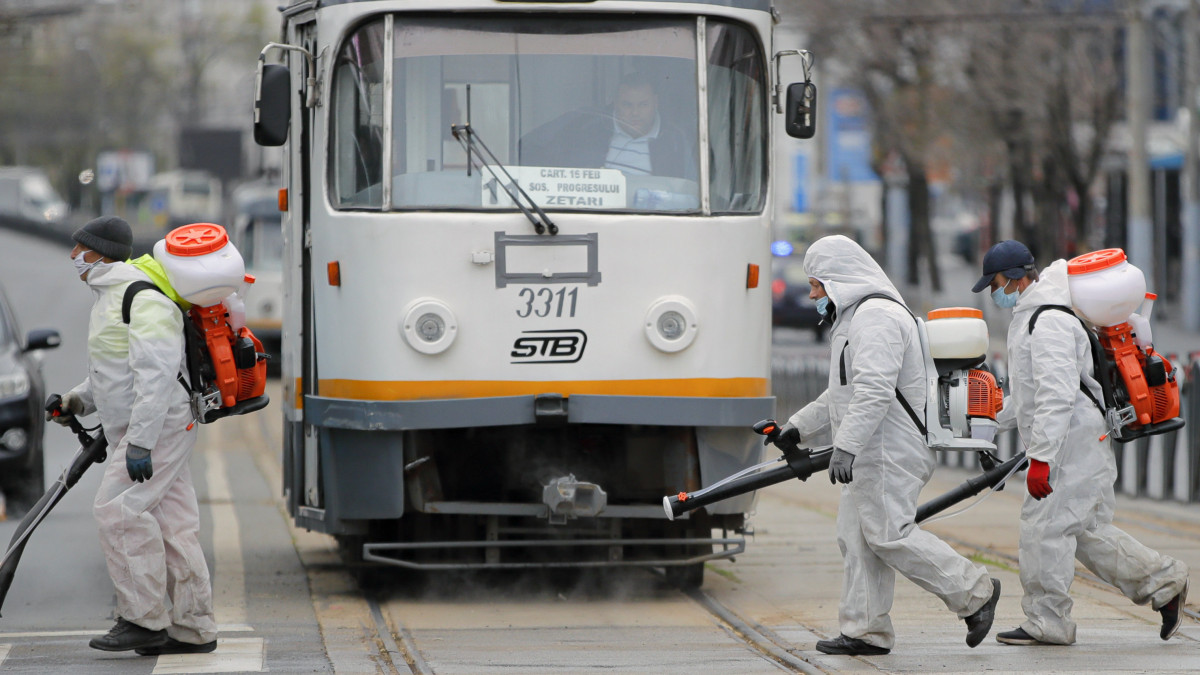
22,403
791,307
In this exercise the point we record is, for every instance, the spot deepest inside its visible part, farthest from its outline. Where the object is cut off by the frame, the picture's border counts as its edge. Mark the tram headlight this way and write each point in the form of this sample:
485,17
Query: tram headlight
429,326
671,323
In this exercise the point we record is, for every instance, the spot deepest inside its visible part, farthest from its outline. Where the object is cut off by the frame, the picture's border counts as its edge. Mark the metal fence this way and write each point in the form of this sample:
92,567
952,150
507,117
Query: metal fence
1166,466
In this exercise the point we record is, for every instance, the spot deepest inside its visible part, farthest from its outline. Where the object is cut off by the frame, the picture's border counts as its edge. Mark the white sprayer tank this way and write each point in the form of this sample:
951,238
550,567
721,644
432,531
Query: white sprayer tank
1105,288
957,333
201,263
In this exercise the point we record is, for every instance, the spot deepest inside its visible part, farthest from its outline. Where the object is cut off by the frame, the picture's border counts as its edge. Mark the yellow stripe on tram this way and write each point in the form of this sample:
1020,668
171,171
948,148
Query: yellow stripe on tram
372,390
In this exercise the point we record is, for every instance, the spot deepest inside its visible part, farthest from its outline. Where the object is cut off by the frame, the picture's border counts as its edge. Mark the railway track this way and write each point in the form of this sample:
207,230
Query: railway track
408,643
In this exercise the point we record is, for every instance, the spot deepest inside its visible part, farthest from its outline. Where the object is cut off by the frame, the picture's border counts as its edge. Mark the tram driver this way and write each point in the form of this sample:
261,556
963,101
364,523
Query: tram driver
631,136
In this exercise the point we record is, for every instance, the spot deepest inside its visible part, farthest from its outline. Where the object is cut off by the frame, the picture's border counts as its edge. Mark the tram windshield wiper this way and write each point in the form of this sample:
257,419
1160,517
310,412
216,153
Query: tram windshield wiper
469,139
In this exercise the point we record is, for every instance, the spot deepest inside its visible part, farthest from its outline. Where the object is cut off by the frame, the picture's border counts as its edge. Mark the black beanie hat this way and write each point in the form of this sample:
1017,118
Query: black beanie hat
109,236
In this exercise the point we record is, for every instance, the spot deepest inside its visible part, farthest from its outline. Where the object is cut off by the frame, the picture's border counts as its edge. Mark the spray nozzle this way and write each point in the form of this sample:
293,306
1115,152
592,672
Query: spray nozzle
1148,305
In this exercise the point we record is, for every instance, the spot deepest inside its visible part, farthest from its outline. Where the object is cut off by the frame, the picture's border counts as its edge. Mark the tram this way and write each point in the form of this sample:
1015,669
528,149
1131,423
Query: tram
526,273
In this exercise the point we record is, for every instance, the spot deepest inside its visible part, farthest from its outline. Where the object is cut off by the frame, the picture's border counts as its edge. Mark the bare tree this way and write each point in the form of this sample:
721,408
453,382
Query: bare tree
1028,85
1048,81
82,79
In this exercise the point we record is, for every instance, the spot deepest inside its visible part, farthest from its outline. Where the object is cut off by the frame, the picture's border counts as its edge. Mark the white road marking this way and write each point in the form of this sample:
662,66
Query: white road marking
4,653
221,628
229,577
233,655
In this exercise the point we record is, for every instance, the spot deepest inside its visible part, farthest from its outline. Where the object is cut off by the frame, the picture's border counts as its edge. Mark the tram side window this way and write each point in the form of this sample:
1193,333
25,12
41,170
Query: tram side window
356,125
737,120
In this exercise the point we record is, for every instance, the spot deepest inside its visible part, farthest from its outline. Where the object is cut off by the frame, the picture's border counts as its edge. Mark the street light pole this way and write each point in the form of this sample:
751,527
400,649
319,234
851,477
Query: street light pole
1190,297
1139,236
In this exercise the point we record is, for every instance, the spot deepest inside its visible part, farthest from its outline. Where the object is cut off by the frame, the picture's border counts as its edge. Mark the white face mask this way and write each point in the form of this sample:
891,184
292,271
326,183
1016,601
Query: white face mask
81,266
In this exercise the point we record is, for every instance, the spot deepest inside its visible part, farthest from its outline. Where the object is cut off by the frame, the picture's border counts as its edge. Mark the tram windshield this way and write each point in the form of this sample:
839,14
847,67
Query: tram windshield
585,113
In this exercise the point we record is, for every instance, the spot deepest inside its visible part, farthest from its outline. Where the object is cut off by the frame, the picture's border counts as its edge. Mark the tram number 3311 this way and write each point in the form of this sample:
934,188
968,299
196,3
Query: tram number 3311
543,302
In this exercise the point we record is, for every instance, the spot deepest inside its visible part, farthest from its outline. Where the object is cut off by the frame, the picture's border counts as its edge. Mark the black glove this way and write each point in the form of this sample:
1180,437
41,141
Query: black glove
137,462
840,464
69,406
787,438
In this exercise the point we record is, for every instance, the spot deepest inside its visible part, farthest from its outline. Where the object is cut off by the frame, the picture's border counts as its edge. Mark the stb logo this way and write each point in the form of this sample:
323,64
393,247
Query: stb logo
549,346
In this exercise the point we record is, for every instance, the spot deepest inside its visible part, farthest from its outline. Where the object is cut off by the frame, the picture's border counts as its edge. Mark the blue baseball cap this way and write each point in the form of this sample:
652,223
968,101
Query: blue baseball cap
1010,257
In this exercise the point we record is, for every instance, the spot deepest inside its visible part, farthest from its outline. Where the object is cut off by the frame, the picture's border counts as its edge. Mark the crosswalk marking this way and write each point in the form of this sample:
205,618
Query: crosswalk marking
233,655
4,653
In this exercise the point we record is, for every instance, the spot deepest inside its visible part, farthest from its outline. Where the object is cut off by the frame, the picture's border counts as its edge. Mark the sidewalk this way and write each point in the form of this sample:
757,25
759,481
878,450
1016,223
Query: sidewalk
789,581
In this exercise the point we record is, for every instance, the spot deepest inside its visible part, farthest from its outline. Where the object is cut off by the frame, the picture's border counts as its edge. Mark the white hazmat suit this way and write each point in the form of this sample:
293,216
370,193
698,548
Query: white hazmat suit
148,530
1062,427
878,342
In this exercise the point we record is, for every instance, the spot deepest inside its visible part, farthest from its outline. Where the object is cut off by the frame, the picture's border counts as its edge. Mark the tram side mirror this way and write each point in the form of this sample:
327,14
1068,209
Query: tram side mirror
272,107
801,120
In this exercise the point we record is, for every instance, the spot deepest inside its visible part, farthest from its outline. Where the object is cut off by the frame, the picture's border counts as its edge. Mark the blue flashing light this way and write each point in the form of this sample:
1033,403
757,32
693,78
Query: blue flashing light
781,248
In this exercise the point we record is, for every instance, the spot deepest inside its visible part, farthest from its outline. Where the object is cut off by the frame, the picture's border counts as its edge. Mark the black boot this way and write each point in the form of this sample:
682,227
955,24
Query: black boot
173,646
126,635
848,645
979,623
1172,614
1018,636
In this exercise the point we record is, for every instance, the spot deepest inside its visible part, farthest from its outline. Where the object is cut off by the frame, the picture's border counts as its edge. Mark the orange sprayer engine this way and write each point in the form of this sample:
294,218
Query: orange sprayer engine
984,397
969,400
1140,379
237,372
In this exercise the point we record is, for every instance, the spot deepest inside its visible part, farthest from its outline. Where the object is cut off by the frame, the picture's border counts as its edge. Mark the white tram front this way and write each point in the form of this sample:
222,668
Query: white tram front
523,243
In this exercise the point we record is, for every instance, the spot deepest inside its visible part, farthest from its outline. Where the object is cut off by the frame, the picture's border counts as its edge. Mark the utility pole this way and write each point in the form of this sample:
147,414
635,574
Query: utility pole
1139,236
1190,297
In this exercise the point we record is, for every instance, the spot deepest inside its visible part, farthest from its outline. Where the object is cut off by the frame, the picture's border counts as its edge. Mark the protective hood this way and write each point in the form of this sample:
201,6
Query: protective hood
1050,289
848,272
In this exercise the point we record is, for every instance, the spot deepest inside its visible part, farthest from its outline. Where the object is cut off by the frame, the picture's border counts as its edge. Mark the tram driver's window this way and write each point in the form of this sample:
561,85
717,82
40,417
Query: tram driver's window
737,120
356,124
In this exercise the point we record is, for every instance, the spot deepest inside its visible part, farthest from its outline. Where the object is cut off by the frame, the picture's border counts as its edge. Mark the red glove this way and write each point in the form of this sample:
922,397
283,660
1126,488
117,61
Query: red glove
1037,479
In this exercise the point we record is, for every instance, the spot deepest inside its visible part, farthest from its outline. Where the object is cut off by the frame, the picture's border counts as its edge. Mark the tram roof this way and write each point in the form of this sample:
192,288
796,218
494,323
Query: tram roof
761,5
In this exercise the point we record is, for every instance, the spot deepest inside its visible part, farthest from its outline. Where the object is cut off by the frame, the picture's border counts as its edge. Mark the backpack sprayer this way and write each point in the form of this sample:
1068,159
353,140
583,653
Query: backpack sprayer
1141,394
226,363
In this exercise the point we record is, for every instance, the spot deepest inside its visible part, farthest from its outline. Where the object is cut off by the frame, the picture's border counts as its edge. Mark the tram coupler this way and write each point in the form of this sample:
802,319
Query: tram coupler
570,498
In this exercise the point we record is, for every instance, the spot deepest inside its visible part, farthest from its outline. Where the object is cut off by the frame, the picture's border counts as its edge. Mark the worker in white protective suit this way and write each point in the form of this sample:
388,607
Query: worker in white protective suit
146,506
1068,511
880,455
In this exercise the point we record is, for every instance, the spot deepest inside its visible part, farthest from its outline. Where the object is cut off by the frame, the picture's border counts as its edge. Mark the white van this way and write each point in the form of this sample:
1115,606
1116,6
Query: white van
184,196
26,192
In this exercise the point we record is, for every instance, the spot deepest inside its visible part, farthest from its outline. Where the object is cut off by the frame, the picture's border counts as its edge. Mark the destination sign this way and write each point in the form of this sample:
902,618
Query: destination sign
560,187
